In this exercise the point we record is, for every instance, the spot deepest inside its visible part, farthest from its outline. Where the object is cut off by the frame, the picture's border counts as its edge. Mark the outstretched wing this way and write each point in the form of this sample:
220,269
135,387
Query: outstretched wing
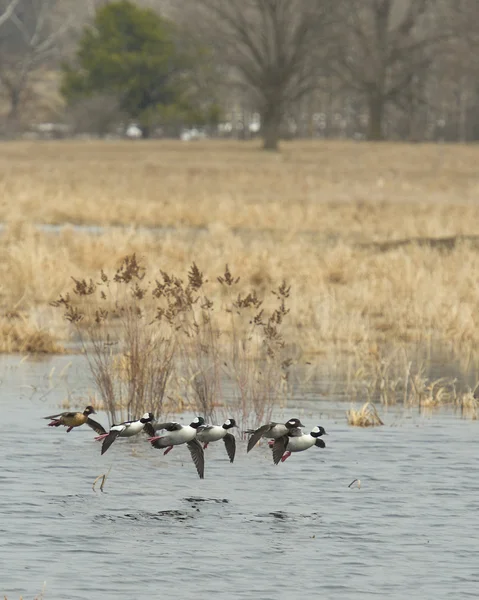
63,414
168,426
198,456
111,437
95,426
149,429
230,445
279,448
257,435
320,443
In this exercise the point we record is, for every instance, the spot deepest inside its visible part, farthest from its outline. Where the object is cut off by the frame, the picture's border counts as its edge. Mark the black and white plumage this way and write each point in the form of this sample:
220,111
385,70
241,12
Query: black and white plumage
213,433
275,430
285,445
125,429
178,434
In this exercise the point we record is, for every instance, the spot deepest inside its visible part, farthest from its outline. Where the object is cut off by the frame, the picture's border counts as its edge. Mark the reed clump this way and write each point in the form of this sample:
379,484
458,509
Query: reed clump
366,416
432,394
154,337
468,403
19,335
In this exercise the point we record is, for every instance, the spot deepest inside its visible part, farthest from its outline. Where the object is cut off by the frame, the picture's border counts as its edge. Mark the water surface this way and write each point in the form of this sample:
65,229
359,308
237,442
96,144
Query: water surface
249,530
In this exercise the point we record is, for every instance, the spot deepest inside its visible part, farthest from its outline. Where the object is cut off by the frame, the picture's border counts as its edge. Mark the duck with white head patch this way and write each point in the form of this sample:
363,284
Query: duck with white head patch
213,433
285,445
274,431
125,429
178,434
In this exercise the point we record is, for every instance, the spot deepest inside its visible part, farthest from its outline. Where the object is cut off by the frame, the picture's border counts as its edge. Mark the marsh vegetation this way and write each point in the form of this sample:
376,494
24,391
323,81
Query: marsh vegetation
378,244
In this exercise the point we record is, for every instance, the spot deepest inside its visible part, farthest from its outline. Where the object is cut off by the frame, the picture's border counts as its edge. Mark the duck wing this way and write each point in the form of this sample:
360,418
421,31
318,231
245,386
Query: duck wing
171,426
320,443
111,437
95,426
257,435
230,445
63,414
198,456
204,428
279,448
149,429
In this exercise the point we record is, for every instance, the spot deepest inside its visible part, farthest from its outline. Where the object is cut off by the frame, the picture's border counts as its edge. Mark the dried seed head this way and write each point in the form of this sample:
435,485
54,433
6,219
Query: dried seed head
128,270
62,301
83,288
227,278
195,277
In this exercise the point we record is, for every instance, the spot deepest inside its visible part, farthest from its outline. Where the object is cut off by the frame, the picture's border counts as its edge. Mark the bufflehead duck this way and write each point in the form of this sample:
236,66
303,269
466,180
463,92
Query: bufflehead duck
75,419
213,433
182,434
125,429
285,445
274,431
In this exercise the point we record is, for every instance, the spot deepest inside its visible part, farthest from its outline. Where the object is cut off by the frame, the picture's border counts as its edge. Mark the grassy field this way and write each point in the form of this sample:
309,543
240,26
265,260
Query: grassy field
353,227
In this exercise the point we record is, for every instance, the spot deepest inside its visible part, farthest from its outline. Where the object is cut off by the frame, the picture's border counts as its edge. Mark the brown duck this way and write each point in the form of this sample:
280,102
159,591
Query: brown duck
75,419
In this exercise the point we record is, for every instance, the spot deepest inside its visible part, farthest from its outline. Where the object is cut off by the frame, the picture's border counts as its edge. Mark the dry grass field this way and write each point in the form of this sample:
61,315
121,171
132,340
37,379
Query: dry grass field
324,216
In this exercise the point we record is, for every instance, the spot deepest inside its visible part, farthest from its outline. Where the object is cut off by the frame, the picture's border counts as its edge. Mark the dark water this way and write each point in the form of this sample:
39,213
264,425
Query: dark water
249,530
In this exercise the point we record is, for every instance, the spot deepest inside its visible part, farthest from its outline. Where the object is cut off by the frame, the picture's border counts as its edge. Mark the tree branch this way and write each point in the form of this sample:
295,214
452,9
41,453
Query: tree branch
8,12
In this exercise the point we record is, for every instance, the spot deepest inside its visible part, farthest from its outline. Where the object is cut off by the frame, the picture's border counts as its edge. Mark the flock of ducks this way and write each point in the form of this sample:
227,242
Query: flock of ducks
284,438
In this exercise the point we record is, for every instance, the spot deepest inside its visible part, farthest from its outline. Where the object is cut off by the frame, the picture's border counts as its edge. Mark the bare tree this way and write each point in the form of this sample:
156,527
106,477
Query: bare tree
270,48
7,11
385,47
28,45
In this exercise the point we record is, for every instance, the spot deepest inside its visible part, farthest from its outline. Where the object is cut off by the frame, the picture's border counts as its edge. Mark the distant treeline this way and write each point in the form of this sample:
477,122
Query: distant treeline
368,69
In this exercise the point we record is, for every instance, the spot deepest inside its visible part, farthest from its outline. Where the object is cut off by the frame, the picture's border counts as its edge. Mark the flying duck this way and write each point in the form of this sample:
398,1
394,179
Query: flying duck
274,431
75,419
285,445
213,433
181,434
125,429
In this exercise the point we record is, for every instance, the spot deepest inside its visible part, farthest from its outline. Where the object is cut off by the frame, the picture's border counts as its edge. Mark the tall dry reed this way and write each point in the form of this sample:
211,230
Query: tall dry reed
149,337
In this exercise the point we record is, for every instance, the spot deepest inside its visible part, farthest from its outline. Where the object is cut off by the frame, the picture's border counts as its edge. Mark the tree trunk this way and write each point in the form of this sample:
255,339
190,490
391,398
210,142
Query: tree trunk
145,131
271,128
376,116
12,116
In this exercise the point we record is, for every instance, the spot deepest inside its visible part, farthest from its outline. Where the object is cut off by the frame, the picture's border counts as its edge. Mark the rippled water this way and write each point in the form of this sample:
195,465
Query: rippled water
249,530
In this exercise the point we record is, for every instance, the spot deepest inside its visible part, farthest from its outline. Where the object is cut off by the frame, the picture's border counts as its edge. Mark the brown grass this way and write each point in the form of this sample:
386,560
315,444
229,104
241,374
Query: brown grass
366,416
317,215
358,191
19,335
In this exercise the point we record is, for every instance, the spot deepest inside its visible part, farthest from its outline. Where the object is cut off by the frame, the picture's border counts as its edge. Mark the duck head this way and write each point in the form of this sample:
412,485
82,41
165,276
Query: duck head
318,431
293,423
147,418
229,423
197,422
